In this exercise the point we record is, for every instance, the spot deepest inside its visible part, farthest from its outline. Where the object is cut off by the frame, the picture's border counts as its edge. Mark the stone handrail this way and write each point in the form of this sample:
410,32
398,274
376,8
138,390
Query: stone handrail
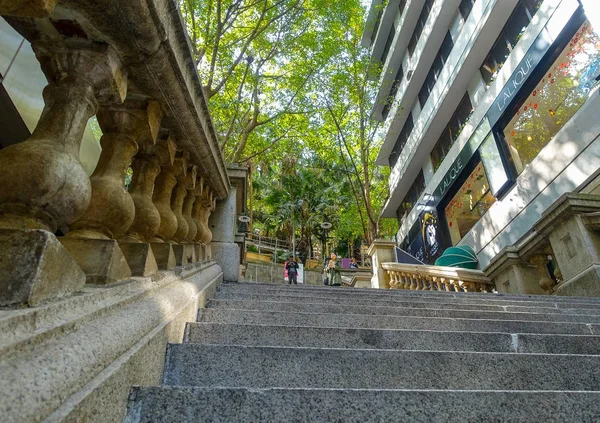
436,278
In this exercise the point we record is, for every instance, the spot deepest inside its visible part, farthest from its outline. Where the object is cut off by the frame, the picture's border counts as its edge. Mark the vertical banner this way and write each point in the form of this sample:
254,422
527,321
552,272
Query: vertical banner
430,234
300,273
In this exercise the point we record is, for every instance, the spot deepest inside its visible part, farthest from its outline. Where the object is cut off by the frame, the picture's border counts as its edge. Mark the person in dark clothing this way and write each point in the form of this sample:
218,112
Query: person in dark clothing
292,268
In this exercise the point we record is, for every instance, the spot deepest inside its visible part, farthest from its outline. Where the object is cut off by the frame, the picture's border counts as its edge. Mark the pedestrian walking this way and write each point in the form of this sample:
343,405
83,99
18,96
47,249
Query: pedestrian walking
292,270
334,268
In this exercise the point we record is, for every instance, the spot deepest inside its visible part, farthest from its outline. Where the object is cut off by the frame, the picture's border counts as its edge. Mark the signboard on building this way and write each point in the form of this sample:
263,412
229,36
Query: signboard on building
521,74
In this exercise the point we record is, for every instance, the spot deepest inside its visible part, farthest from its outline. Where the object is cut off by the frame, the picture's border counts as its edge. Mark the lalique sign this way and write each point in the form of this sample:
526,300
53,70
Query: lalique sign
461,160
519,77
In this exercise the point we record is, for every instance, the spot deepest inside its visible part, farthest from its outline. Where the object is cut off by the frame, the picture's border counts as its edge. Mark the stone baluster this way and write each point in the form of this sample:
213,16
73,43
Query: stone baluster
413,282
146,167
92,240
184,251
546,282
43,185
27,8
188,206
163,190
204,207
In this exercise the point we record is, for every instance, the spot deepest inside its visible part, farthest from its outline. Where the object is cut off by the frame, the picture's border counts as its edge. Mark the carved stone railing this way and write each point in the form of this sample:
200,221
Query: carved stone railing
130,65
435,278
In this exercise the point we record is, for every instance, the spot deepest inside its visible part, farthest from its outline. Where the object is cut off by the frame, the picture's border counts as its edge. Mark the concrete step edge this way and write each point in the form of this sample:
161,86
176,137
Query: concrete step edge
289,336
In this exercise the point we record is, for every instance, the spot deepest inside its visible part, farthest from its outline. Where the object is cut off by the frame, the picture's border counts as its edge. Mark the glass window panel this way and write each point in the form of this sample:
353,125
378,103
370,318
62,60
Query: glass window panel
492,162
465,8
561,92
470,203
509,36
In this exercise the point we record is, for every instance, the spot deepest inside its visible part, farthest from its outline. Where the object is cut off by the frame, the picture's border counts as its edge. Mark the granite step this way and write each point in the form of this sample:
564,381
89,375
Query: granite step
568,315
193,404
484,301
258,288
367,321
351,338
275,367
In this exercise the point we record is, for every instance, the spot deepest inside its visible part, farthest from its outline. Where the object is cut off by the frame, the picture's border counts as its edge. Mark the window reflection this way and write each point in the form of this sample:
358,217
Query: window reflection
470,203
561,92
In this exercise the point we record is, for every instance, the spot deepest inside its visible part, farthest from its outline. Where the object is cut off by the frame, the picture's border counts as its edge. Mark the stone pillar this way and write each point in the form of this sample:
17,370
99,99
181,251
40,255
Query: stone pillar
222,224
163,191
43,186
381,251
93,237
513,275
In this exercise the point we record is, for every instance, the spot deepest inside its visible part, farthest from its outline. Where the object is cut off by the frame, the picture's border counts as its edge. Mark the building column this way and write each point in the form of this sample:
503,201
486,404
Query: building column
43,186
222,224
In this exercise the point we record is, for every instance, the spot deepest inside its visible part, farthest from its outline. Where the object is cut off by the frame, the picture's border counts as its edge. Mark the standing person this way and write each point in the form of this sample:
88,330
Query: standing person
334,268
292,269
325,275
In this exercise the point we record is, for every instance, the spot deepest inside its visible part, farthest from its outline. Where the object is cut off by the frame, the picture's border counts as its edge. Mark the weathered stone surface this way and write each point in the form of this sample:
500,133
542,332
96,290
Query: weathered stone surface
165,183
74,360
198,252
431,295
147,218
263,367
585,283
303,336
164,255
101,259
181,258
35,267
140,258
228,256
192,404
565,315
201,210
406,339
27,8
368,321
440,304
222,221
56,191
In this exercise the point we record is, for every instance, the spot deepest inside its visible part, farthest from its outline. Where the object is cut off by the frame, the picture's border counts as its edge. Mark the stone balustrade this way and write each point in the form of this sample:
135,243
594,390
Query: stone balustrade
127,64
560,256
417,277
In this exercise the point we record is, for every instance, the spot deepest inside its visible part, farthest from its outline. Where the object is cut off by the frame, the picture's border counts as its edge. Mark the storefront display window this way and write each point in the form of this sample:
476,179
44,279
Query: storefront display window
470,203
556,98
493,165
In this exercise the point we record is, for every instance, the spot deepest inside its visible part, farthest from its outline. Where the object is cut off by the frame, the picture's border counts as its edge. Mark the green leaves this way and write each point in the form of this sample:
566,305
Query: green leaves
289,94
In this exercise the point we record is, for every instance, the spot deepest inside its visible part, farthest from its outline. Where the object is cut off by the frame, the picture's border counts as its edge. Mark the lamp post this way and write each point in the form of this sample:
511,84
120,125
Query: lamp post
326,226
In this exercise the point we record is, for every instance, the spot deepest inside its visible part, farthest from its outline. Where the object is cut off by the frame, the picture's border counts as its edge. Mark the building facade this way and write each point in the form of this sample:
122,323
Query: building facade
490,110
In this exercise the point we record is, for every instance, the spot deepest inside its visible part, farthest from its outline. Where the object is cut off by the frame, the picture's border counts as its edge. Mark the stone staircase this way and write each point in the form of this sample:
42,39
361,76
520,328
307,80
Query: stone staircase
279,353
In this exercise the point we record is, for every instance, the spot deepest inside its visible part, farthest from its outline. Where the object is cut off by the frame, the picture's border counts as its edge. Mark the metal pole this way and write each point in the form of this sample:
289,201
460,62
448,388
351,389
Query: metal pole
293,235
275,255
